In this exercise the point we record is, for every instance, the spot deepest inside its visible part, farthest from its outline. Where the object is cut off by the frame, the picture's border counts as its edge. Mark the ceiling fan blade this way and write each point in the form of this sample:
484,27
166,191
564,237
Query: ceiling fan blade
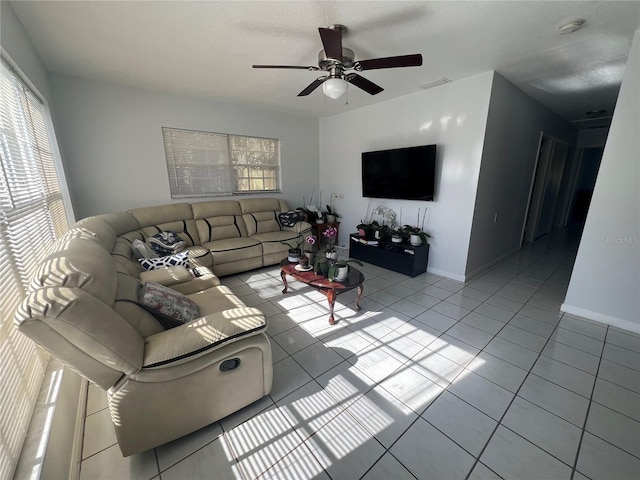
361,82
332,42
297,67
312,86
390,62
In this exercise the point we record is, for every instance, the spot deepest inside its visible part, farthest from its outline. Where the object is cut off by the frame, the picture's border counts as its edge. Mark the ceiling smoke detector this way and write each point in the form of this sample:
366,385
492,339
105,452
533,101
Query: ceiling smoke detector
570,26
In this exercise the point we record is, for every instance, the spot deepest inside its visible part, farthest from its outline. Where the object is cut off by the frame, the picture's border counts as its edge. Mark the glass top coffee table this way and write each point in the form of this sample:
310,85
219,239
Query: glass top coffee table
322,284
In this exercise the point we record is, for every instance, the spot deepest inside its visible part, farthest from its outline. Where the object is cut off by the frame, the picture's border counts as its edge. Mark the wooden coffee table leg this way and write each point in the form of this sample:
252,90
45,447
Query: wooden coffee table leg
331,297
359,291
284,280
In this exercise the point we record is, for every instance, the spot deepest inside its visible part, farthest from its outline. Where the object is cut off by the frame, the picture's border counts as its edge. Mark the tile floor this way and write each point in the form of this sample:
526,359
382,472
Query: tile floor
431,379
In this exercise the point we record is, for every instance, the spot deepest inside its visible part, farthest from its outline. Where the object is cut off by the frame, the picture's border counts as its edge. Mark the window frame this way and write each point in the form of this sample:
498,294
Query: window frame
35,209
189,150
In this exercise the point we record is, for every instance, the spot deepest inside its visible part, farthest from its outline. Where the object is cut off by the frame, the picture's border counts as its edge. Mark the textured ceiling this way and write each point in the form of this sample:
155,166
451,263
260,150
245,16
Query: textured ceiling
206,48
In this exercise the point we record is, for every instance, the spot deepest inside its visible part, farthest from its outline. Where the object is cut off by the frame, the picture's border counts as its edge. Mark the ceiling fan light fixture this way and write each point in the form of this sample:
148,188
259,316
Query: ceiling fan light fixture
334,88
570,26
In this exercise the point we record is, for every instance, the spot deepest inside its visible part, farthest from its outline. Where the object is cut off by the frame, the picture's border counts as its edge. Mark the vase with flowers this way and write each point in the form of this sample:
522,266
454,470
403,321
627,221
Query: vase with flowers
330,234
312,248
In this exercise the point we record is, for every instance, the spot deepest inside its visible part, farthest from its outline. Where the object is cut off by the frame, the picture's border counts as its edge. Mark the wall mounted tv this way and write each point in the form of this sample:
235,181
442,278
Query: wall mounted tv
401,173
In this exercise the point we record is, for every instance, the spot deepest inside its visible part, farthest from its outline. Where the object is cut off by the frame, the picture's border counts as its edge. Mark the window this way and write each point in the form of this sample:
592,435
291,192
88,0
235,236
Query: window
203,164
32,215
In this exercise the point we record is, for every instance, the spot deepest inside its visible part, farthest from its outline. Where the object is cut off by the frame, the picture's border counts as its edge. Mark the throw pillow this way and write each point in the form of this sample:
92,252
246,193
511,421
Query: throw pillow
166,243
170,307
290,218
181,259
142,250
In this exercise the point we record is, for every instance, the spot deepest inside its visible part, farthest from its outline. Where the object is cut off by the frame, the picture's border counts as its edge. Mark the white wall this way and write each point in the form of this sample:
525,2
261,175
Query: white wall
111,141
453,117
514,124
605,281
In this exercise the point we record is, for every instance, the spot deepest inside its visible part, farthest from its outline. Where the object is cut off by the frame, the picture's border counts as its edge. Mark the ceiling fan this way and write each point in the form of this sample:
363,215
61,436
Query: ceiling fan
338,61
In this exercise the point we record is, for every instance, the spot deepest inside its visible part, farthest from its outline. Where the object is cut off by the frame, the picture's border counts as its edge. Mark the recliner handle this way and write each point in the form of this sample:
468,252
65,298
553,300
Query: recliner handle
230,364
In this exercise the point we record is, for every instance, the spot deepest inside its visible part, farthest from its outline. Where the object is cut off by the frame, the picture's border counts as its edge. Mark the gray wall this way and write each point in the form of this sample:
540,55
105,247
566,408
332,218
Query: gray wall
111,141
18,46
605,281
509,153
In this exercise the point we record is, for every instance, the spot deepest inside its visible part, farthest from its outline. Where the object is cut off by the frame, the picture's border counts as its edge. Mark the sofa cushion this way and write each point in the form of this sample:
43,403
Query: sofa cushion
171,308
142,250
261,222
167,276
233,250
251,205
221,227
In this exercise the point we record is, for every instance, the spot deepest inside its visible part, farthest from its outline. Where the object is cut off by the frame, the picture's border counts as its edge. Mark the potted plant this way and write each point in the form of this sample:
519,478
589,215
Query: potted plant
417,236
398,235
330,235
331,215
294,251
310,252
335,271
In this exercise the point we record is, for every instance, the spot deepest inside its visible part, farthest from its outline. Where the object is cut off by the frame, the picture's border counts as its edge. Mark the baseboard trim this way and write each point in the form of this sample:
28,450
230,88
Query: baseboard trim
600,317
490,265
444,273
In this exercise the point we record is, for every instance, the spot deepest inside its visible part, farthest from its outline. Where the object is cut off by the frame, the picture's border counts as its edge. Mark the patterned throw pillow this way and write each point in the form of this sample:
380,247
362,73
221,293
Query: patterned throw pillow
181,259
170,307
290,218
142,250
166,243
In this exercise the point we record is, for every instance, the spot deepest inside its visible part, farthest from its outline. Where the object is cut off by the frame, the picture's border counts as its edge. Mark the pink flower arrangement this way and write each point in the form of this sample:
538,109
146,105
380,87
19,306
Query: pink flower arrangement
330,234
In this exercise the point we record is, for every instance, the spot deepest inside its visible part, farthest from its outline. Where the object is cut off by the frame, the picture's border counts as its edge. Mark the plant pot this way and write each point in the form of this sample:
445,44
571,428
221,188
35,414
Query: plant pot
320,220
396,238
330,218
343,273
415,240
311,256
294,256
331,255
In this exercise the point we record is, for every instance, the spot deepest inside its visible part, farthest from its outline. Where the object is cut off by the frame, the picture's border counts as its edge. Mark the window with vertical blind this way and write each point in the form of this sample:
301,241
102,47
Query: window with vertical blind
204,164
32,215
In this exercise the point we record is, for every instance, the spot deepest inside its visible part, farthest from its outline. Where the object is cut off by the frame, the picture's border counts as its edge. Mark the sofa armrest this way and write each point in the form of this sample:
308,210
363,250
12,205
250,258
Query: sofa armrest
167,276
201,336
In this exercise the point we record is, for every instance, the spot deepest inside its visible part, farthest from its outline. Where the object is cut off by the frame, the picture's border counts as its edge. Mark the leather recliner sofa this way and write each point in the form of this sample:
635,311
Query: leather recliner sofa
161,384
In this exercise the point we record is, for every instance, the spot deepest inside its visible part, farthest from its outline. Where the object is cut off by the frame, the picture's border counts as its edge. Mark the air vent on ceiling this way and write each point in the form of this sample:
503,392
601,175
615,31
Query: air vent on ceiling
435,83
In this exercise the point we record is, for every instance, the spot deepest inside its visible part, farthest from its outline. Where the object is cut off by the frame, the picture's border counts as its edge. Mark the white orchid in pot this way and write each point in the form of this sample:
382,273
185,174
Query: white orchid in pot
416,235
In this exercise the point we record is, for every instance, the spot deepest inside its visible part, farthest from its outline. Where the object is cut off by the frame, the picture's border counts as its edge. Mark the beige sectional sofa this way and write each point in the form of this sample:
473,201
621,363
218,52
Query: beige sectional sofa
84,307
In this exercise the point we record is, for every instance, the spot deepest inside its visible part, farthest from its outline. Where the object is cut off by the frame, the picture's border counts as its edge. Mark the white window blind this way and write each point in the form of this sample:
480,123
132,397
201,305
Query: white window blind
203,164
32,215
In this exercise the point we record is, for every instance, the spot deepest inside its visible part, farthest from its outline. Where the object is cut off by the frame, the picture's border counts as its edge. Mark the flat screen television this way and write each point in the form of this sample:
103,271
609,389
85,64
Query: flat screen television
401,173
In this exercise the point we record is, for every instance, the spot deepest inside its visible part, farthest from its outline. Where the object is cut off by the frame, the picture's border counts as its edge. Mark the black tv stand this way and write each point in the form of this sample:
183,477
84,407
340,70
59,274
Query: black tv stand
399,257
